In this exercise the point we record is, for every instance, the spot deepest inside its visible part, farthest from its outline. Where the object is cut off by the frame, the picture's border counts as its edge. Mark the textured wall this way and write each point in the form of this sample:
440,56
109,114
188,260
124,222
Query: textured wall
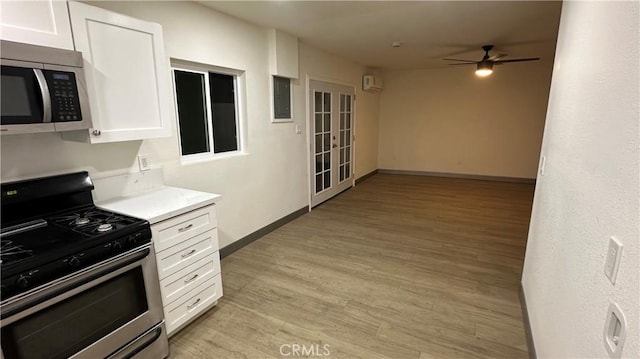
589,190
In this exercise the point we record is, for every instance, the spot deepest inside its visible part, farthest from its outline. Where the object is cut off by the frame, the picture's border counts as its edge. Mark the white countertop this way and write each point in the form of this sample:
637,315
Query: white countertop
160,204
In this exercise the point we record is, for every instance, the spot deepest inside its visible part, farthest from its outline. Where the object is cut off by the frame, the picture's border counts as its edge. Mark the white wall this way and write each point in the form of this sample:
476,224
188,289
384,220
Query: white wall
589,190
259,187
449,120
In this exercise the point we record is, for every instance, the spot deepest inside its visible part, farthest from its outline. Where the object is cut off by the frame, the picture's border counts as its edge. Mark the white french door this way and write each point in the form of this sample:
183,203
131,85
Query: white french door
332,116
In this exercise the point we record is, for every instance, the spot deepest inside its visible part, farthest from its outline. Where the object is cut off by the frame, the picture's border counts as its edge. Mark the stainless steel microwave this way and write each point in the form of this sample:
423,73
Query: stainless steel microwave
43,89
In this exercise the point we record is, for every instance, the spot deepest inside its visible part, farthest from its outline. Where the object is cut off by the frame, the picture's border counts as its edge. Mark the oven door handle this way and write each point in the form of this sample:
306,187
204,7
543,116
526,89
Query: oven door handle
138,345
70,283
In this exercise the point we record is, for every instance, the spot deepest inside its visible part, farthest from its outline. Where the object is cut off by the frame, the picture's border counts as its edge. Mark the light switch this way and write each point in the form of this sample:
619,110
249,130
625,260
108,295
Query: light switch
543,161
614,253
615,331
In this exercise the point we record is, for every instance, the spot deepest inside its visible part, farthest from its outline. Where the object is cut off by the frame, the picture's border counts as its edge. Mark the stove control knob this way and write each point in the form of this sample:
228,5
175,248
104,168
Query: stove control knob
22,281
133,240
74,261
116,245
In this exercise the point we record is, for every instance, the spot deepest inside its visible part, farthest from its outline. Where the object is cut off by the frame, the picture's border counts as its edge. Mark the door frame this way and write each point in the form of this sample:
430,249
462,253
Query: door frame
311,77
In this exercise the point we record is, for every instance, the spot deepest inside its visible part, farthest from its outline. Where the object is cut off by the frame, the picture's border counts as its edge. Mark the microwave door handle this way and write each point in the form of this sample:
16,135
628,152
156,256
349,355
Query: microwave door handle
46,95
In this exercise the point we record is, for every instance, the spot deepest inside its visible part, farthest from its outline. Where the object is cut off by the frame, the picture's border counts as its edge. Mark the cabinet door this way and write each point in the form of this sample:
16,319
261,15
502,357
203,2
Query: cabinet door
42,22
128,77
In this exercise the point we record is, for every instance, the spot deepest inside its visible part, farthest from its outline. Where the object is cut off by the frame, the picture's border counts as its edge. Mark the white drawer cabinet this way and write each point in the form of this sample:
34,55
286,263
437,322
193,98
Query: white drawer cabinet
180,312
177,229
184,230
178,284
175,258
188,265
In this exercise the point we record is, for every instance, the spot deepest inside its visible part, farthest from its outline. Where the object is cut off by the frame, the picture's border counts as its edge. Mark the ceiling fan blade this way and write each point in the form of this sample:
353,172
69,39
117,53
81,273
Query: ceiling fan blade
460,60
466,63
497,57
516,60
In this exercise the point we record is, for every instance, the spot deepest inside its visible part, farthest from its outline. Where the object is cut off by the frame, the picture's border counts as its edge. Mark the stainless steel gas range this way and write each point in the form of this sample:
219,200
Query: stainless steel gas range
77,281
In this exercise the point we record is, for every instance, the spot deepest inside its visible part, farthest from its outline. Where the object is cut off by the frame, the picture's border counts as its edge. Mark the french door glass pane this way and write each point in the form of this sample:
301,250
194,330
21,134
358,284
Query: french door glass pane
345,137
318,102
319,183
322,126
318,163
327,142
318,123
327,102
327,122
192,113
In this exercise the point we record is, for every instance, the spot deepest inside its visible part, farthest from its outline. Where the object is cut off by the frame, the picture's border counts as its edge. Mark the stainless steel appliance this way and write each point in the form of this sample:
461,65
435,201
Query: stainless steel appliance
77,281
43,89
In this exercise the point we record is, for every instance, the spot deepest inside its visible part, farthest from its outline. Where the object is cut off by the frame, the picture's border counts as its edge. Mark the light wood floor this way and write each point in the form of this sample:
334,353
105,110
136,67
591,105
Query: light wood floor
397,267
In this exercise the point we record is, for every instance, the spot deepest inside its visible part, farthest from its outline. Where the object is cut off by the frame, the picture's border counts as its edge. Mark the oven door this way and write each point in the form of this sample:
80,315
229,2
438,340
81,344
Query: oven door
91,314
26,102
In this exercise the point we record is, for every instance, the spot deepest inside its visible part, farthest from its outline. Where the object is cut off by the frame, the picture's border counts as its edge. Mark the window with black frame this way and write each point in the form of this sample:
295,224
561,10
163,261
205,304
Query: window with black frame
207,107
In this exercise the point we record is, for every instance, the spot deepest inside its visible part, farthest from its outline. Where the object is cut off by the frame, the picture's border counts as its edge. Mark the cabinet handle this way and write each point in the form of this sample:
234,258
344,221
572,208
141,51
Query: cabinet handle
191,279
96,132
185,228
189,254
193,304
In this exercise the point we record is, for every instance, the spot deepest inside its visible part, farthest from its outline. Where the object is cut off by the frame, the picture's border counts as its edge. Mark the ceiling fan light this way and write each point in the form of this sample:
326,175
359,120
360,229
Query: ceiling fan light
485,68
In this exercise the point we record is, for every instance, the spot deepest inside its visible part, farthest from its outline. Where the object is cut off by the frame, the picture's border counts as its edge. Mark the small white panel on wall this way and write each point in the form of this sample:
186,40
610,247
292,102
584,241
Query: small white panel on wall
44,23
283,54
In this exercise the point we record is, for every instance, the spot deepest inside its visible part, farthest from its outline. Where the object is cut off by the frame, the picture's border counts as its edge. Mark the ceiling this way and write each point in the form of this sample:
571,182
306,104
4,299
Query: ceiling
362,31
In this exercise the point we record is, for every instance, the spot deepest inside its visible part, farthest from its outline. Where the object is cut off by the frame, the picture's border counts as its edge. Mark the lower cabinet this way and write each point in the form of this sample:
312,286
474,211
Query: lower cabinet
188,261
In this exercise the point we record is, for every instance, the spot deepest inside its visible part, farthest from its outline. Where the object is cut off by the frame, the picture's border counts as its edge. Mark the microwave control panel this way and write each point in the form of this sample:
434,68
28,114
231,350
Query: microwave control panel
65,104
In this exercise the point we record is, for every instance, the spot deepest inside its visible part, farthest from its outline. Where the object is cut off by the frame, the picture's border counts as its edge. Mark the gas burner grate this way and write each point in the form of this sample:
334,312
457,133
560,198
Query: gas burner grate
91,222
12,253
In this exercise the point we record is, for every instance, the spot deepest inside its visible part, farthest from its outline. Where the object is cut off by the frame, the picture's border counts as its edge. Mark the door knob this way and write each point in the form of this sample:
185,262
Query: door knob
334,145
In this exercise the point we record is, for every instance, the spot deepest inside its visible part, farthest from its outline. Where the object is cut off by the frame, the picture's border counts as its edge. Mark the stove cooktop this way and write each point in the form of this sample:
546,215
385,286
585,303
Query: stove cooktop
65,242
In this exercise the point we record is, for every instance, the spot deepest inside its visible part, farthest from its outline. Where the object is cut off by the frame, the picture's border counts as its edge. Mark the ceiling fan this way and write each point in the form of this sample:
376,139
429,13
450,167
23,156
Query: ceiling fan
485,66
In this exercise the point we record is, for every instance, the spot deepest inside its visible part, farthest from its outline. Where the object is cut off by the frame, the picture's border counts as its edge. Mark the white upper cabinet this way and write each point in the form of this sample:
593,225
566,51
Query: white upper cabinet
127,73
44,23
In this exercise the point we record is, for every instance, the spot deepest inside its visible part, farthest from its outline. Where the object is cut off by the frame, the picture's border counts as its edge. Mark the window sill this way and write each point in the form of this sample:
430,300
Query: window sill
281,120
202,158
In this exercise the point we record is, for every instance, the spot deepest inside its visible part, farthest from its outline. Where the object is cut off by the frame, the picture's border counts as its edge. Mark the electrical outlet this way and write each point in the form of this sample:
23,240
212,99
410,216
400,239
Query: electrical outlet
614,253
144,163
615,331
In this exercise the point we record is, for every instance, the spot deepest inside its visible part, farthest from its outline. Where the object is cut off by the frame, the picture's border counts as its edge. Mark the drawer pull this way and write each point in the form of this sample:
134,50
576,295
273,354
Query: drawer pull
189,254
193,304
185,228
191,279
